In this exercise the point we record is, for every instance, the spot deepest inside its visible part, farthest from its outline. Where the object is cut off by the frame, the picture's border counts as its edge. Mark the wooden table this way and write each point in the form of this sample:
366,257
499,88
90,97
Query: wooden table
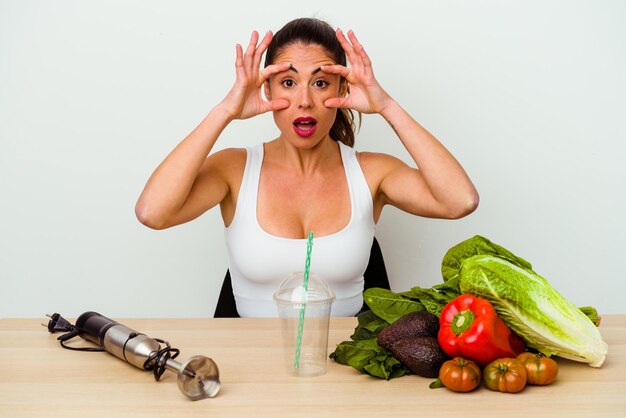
40,379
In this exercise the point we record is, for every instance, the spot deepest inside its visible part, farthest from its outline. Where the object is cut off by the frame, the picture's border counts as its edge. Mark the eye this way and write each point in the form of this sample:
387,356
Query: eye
320,83
287,82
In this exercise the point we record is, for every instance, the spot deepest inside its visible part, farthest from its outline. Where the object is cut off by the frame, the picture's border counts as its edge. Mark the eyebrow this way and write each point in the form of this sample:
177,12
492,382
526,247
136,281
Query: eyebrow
315,71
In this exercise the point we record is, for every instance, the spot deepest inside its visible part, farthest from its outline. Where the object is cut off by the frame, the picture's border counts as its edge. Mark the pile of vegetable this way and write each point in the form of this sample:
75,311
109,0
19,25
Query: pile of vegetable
490,307
507,374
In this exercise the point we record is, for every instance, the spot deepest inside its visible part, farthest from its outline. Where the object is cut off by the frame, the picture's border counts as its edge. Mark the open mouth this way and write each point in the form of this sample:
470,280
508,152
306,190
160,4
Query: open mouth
304,126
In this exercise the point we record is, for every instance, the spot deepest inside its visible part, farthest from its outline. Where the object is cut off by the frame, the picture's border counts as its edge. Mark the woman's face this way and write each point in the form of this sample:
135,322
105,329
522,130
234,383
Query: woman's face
306,121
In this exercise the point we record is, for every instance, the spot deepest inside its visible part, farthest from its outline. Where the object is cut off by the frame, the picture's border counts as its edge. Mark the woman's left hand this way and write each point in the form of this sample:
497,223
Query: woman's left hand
365,95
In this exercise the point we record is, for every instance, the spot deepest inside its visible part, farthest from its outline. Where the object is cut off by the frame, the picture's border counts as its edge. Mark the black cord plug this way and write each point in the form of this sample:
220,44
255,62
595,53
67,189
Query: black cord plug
58,324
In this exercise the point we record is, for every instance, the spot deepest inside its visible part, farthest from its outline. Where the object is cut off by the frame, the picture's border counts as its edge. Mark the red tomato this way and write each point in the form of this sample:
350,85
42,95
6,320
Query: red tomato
541,370
505,375
460,375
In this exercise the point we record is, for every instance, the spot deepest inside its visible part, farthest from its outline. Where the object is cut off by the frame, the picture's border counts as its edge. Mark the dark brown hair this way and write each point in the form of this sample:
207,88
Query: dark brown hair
314,31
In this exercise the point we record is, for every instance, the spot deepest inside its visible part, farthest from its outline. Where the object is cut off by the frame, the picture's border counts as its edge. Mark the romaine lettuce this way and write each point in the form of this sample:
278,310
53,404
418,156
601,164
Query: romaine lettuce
533,309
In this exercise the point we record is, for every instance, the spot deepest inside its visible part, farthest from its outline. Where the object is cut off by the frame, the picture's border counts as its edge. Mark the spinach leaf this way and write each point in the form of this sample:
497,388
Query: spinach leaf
386,367
432,300
389,305
450,288
363,352
368,357
437,297
369,326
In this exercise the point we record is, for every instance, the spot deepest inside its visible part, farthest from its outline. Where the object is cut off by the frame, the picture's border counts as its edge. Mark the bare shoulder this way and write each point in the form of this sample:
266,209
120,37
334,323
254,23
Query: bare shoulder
223,167
376,167
227,161
229,156
378,164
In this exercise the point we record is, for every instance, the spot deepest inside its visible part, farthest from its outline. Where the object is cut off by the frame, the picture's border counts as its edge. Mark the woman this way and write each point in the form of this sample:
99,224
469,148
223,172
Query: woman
309,178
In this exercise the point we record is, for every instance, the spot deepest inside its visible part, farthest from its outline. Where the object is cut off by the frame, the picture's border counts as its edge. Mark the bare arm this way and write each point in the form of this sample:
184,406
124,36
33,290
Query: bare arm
186,183
438,186
189,181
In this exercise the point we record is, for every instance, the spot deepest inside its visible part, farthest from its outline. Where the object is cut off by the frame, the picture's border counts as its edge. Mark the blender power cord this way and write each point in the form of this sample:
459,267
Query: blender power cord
156,361
59,324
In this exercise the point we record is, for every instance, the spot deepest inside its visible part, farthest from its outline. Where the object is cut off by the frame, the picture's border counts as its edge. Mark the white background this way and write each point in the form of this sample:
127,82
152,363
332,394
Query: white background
528,95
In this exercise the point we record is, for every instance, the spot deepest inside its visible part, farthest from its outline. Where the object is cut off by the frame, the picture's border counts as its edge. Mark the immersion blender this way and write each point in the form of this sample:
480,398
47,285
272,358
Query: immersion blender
198,377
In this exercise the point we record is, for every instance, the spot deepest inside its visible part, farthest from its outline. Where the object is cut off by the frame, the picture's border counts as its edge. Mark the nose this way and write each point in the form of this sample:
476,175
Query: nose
305,98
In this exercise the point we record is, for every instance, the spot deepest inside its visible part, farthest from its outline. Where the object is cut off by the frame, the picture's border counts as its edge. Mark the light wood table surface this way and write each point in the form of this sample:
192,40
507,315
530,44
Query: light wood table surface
38,378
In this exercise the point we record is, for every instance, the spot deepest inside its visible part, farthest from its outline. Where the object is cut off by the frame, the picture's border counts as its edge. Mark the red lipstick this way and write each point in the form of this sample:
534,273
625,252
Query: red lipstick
304,126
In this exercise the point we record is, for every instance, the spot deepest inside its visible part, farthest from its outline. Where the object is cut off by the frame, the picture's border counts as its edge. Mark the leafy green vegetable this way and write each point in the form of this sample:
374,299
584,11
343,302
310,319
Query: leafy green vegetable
437,384
450,288
592,314
437,297
363,352
389,305
368,357
433,301
533,309
453,259
523,299
369,326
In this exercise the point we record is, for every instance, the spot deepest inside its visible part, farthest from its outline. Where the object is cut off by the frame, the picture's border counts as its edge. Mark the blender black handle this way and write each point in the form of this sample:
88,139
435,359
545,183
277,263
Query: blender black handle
93,326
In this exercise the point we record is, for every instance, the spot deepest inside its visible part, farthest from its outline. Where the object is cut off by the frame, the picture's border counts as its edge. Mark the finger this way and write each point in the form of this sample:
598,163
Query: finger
248,56
343,41
270,70
261,49
239,60
336,69
347,47
278,104
338,102
358,47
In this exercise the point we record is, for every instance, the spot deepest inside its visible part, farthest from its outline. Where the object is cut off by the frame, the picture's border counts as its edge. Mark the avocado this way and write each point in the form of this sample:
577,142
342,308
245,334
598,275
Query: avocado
422,355
414,324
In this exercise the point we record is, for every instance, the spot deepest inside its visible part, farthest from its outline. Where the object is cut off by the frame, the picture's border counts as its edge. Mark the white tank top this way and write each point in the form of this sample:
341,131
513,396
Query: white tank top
259,261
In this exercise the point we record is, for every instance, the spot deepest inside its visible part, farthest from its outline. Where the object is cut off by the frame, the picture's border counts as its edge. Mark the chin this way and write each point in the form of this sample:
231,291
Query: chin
308,142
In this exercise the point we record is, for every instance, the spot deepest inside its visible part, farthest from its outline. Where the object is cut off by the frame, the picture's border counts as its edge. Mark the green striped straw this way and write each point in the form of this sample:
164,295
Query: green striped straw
307,265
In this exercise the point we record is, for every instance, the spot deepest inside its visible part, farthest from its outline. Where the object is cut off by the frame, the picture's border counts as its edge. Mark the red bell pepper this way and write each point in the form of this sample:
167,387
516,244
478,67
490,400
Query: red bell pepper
470,327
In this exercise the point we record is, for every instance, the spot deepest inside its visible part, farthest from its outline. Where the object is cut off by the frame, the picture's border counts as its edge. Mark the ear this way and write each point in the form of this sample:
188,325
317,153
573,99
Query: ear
266,90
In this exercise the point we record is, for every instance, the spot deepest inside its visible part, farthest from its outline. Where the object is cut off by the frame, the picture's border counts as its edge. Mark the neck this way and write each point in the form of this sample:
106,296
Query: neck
304,161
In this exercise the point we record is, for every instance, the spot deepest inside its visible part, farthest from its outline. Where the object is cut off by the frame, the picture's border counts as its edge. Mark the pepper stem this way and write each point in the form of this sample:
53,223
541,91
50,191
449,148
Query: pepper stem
462,321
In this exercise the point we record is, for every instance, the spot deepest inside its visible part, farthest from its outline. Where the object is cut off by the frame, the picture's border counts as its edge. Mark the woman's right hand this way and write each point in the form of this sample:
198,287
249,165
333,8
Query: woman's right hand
244,99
